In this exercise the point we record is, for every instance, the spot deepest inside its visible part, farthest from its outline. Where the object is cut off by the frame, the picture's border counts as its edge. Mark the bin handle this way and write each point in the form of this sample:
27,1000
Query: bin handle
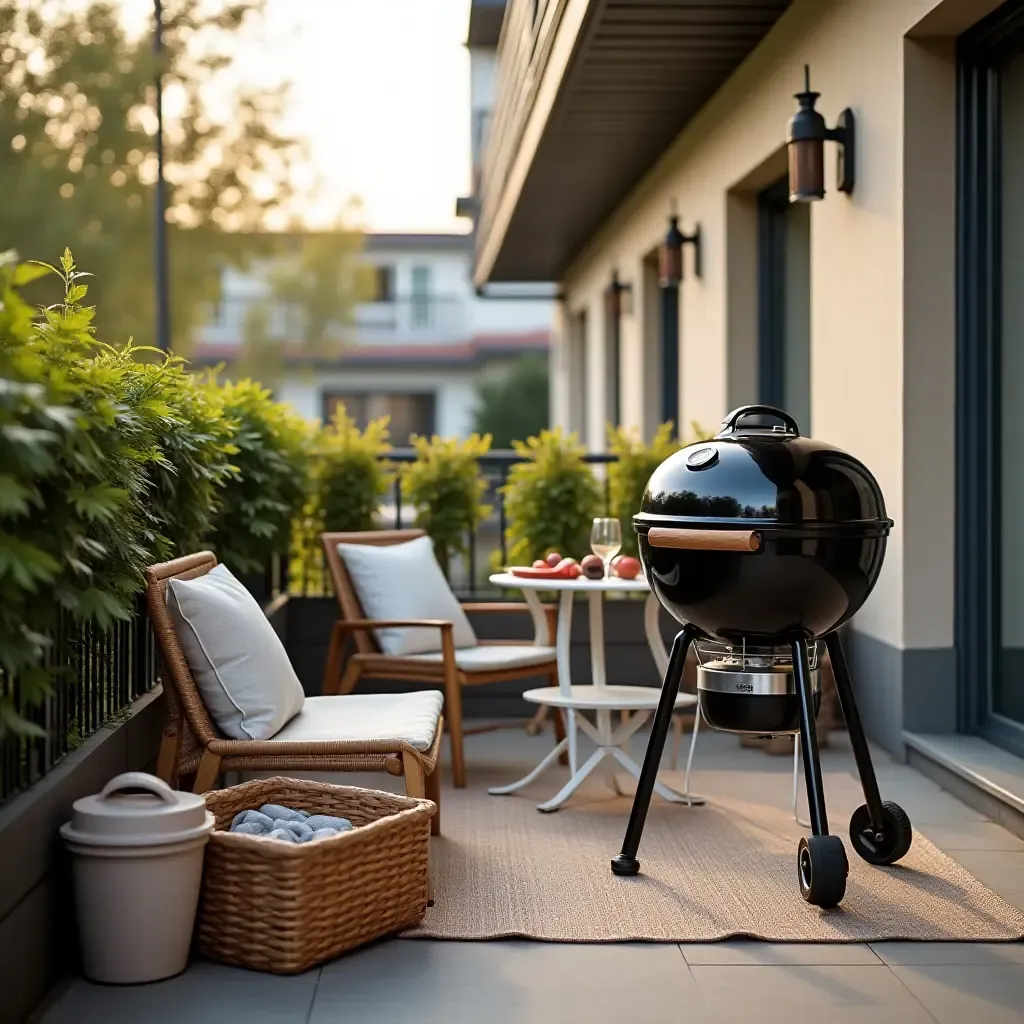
139,780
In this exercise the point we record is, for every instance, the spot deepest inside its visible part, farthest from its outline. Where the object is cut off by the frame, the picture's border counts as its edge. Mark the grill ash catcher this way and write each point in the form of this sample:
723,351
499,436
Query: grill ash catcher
762,543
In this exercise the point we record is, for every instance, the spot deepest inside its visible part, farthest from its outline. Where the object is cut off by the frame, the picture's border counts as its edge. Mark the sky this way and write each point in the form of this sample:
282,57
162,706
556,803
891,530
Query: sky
380,94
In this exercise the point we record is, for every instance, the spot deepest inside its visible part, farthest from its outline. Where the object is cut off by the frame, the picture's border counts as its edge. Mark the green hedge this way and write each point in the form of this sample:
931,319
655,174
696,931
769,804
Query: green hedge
112,459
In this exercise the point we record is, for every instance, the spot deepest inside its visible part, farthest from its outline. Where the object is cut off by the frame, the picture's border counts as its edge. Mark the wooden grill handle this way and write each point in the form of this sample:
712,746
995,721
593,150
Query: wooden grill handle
704,540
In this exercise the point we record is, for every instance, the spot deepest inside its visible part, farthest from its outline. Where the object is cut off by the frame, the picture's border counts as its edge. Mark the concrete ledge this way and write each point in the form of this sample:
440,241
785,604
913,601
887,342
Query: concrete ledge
984,776
37,924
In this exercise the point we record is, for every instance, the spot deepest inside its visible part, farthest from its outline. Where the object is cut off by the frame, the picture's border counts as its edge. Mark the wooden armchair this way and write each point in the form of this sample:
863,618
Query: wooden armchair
192,744
451,668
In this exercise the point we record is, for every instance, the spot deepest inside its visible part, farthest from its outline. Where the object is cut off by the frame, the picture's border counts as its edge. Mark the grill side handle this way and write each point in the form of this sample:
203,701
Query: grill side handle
704,540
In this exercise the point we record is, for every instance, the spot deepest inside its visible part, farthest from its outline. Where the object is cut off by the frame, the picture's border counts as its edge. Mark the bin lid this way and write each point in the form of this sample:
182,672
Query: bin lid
134,808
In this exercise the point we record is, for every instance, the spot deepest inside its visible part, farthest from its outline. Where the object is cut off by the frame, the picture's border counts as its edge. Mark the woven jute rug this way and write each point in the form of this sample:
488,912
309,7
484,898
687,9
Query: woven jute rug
727,869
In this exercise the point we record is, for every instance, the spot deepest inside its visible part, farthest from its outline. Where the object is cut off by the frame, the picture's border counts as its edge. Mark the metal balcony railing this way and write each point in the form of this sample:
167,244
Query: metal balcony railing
468,573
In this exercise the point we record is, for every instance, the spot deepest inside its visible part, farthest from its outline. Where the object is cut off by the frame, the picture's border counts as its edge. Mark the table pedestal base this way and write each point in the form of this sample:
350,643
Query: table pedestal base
610,744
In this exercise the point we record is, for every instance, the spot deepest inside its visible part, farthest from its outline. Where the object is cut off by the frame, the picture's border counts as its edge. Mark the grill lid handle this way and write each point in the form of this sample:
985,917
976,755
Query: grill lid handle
704,540
731,423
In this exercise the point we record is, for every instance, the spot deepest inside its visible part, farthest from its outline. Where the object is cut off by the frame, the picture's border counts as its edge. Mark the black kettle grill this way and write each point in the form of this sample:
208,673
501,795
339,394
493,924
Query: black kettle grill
763,543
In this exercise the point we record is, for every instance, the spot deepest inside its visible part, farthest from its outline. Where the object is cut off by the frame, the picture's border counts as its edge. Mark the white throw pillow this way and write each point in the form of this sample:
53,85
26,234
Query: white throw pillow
240,666
404,581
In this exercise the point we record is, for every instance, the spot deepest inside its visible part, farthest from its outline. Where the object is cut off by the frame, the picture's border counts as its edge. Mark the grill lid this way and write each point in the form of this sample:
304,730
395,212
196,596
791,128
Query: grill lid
759,470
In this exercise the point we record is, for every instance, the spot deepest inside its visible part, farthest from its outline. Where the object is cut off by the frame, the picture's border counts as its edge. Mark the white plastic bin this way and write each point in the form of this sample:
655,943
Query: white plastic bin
138,864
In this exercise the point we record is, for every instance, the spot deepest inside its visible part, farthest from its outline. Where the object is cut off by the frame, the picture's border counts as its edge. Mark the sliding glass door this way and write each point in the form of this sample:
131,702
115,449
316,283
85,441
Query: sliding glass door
990,378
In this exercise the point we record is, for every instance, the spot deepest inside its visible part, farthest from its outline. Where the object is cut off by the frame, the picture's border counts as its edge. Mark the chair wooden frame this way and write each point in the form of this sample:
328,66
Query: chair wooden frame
367,661
191,743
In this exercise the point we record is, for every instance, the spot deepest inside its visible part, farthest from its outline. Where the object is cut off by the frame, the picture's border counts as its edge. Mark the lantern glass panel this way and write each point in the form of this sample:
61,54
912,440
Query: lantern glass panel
806,170
670,265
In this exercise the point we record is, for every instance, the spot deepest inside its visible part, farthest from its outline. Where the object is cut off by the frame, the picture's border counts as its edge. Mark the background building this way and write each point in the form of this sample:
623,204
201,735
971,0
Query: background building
419,350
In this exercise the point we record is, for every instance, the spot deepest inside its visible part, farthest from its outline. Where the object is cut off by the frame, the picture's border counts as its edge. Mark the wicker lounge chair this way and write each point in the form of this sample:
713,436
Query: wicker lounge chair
489,662
192,744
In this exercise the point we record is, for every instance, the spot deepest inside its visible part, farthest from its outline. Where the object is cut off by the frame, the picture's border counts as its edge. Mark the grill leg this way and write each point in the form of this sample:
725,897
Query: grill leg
809,740
626,863
855,728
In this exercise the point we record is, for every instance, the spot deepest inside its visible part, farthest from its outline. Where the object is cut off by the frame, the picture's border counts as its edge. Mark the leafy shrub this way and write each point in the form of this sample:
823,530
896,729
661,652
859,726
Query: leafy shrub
635,462
445,487
348,481
111,463
352,477
628,475
73,513
551,498
191,443
270,483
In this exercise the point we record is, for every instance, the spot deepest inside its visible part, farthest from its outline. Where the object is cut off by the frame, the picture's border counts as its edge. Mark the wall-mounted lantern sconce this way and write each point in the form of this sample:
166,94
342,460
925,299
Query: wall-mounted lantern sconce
808,134
670,255
617,297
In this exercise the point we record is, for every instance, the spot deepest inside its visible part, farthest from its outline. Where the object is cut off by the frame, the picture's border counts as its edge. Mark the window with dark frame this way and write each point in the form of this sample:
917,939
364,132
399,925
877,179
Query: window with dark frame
383,283
783,342
420,304
408,413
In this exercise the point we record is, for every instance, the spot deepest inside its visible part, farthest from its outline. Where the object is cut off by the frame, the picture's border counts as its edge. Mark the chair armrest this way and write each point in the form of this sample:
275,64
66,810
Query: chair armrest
491,607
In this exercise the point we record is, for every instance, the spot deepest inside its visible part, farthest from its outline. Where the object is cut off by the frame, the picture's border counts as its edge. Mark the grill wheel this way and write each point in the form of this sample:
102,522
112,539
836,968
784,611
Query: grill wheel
894,842
822,868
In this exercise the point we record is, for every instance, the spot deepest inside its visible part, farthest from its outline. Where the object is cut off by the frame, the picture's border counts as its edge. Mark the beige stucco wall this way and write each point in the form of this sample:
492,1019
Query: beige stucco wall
882,278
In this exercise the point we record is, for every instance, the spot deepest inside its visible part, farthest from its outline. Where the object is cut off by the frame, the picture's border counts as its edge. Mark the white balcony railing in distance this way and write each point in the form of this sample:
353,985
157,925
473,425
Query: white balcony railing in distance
427,319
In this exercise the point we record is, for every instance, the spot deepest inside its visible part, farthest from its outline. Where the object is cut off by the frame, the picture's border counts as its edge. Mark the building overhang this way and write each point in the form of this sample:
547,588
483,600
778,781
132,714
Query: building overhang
591,94
485,23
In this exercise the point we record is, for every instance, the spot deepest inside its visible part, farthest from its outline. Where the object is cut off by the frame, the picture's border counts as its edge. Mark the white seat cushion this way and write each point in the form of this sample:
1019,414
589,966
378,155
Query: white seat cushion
238,662
493,657
367,716
404,581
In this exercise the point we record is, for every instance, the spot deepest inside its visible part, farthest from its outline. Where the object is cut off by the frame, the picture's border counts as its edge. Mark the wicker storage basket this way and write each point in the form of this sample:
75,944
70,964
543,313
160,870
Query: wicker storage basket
273,906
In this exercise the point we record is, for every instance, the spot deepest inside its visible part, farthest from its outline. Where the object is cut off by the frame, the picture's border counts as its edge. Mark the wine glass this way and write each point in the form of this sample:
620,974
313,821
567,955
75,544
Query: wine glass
606,541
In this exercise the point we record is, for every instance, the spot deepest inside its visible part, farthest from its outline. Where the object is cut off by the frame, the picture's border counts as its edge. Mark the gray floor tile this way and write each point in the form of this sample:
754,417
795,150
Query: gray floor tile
507,983
929,807
205,994
829,993
777,954
961,954
972,835
1001,871
548,983
982,995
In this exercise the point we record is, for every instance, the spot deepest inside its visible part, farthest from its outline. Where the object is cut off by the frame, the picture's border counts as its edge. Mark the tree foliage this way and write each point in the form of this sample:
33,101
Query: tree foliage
311,285
514,406
77,157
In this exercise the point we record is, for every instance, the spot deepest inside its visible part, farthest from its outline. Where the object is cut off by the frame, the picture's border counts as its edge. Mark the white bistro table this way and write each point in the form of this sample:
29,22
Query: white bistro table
636,702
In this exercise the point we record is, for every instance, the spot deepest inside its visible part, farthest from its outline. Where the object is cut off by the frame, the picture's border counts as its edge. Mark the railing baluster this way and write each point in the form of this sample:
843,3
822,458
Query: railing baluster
501,517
